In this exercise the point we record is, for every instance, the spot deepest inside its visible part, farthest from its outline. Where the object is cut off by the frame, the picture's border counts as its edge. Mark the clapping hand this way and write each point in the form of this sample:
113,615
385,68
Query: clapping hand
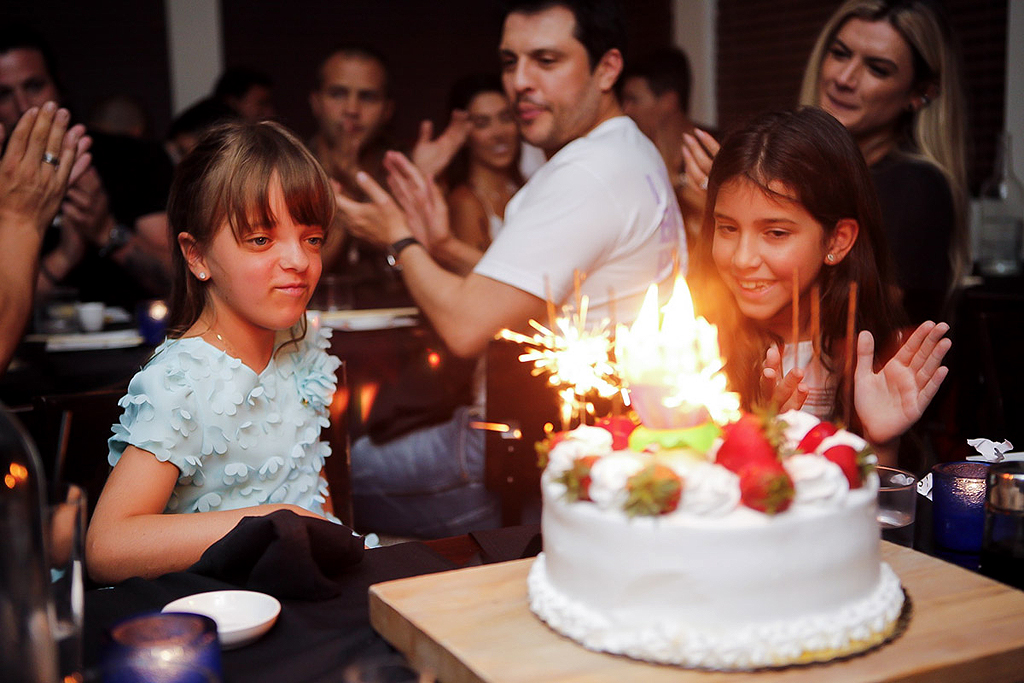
31,188
380,220
788,394
431,156
419,196
699,150
890,401
86,207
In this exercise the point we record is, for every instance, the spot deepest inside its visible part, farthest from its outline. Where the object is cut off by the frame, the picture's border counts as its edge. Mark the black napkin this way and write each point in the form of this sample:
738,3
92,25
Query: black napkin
284,554
508,543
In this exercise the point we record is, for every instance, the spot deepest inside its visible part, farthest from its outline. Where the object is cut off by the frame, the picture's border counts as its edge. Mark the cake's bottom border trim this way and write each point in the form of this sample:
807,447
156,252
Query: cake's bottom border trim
852,629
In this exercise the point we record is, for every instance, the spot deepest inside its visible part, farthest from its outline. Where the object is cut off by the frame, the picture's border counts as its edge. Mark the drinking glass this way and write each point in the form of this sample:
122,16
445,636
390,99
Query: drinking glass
897,505
1002,549
65,530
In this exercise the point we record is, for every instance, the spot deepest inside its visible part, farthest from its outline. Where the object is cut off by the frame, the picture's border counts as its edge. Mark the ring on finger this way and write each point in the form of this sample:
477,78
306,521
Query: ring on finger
51,159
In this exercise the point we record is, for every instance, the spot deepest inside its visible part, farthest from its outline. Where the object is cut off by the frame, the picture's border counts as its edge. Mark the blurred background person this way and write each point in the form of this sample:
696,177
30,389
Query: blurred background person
120,114
246,91
109,240
188,126
656,95
485,173
890,72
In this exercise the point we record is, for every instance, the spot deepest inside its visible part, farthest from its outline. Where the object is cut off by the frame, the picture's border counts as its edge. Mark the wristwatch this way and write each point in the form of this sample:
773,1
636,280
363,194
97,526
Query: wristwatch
119,236
395,250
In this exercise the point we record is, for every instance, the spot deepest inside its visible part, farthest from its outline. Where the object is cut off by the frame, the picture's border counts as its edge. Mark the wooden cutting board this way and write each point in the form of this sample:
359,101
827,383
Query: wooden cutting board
475,625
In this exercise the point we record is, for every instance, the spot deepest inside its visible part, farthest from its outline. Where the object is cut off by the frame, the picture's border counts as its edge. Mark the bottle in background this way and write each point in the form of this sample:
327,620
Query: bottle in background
1002,217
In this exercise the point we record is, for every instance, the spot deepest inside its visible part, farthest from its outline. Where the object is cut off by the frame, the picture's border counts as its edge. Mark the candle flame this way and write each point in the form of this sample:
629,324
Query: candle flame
670,361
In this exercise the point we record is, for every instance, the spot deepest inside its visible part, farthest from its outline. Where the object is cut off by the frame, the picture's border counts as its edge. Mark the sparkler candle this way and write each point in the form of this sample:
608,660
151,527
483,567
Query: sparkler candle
577,359
796,313
669,360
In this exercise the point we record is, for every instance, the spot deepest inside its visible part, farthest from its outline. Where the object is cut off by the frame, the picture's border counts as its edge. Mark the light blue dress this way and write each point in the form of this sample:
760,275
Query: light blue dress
238,438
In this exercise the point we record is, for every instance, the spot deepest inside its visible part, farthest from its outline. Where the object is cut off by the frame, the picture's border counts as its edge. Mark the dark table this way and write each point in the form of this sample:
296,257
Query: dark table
312,641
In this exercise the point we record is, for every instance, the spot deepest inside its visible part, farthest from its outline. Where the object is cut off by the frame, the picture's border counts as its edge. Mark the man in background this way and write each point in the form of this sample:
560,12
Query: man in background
656,94
109,239
601,207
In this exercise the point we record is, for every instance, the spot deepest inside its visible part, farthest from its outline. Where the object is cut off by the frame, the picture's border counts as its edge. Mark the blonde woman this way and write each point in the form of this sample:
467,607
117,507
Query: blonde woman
890,72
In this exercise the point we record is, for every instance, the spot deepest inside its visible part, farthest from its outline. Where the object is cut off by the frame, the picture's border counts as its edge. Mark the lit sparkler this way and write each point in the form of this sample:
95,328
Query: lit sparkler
577,359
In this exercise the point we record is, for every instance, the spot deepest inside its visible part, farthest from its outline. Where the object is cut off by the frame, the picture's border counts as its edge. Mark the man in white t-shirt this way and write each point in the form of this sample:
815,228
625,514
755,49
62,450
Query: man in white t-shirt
602,206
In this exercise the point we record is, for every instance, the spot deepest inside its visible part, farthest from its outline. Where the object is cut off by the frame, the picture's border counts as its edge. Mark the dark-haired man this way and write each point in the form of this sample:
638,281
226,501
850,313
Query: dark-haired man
112,241
656,94
352,105
601,206
247,92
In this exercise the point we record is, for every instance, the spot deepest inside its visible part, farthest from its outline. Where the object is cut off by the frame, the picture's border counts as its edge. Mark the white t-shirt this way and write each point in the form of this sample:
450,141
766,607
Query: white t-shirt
603,205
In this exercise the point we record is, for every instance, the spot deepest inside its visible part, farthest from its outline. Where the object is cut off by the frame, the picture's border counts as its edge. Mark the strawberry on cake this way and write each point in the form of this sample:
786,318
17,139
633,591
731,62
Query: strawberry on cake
754,545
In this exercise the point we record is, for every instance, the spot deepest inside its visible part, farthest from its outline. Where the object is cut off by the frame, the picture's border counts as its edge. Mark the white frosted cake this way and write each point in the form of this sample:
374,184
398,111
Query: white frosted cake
717,557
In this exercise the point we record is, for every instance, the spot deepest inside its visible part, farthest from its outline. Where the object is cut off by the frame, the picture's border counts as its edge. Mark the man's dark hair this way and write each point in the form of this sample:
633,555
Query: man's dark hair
238,80
599,23
358,52
14,36
201,116
665,70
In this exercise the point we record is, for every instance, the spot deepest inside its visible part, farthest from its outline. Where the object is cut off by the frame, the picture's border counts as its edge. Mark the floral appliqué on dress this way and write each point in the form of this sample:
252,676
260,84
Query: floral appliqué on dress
238,438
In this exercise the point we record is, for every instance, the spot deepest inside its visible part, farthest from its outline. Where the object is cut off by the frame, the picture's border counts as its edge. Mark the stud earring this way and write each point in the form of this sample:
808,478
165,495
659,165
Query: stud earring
831,258
202,275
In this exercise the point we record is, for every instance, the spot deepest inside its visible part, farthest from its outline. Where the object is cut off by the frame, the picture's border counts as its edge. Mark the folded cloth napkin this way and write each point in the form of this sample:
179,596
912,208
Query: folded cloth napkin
508,543
284,554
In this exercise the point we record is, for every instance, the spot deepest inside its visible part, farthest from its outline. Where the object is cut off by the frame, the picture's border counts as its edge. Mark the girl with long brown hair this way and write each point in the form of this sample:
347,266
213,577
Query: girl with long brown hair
224,421
791,208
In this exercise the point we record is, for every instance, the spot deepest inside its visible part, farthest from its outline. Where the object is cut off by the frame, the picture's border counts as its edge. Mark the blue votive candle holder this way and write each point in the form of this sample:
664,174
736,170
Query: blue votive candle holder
958,505
152,317
172,647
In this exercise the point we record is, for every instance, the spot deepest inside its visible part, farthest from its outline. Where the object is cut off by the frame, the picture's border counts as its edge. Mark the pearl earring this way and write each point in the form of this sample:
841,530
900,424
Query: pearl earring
831,258
202,275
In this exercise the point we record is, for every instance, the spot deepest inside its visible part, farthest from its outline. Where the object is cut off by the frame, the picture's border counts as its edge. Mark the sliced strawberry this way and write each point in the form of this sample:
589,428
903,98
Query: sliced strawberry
745,441
815,436
765,486
849,461
654,490
577,478
620,428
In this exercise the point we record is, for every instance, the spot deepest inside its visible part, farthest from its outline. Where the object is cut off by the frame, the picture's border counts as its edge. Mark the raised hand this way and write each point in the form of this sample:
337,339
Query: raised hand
699,150
787,394
890,401
419,196
379,220
86,207
431,156
31,189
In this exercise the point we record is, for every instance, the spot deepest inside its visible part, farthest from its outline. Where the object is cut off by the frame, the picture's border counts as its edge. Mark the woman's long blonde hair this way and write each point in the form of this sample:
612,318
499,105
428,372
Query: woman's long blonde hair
935,132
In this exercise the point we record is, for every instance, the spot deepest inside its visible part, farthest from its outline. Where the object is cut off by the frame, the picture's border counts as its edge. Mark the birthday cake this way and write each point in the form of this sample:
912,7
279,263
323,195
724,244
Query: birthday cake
754,545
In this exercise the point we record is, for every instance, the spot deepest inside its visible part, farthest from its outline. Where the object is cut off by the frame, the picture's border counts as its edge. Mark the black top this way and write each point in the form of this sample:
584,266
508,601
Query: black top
918,219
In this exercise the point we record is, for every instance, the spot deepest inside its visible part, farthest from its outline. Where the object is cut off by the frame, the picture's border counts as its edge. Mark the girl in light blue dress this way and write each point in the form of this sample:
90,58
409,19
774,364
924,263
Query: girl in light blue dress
224,421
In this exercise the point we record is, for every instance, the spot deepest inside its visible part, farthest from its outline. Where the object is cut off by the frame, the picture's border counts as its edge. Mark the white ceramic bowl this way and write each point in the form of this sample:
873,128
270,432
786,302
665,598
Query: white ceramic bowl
241,616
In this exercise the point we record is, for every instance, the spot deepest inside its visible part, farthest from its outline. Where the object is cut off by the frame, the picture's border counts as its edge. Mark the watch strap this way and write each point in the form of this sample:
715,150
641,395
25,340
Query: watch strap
396,248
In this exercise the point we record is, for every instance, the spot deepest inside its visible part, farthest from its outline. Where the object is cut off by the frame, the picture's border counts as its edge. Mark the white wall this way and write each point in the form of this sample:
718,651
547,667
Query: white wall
195,42
694,32
1015,83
